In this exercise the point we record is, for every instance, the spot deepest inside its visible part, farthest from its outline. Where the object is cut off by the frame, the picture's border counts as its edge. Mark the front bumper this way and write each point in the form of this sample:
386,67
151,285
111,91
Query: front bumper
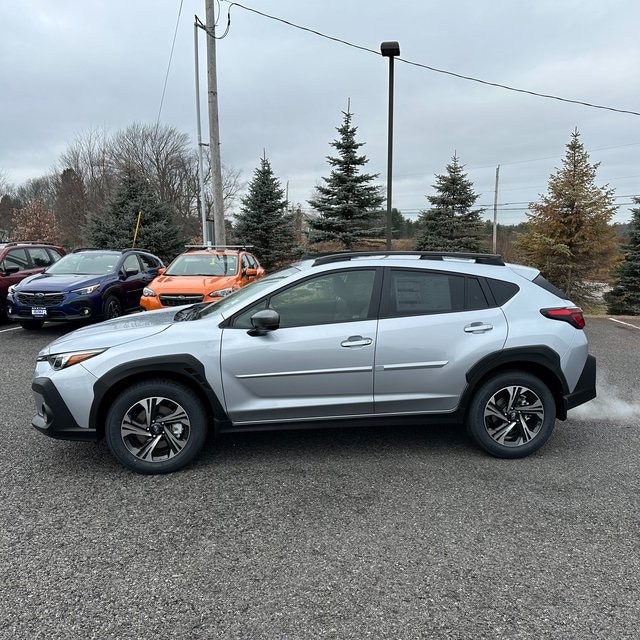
53,417
77,309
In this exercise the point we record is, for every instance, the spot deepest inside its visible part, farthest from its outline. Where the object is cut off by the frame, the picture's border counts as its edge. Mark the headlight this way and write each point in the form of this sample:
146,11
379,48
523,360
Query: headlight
59,361
12,289
150,293
221,293
85,290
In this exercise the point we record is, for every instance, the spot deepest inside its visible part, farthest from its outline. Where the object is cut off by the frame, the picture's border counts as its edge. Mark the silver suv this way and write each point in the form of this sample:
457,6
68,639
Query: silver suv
342,339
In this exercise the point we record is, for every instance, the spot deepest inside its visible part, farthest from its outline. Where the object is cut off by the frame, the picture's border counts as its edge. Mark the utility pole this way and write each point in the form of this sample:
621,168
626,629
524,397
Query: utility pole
203,203
214,129
495,212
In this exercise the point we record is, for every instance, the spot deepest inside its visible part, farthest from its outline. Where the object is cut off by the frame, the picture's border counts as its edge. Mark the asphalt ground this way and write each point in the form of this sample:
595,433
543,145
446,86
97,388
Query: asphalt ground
363,533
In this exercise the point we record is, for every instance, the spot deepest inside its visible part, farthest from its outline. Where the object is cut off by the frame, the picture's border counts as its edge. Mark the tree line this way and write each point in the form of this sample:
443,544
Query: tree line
146,177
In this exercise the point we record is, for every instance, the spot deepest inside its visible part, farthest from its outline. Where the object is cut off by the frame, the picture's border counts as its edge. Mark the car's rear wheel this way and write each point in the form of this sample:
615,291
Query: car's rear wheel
156,426
112,308
511,415
31,325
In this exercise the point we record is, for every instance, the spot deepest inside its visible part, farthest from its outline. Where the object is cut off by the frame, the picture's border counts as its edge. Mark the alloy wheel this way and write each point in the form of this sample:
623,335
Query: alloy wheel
155,429
514,416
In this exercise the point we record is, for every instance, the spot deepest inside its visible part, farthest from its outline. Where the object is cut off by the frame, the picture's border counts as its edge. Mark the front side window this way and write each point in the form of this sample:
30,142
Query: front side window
16,258
343,296
131,264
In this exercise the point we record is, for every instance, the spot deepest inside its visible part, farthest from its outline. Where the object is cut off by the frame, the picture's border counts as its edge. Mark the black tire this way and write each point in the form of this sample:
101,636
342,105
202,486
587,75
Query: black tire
139,434
511,415
31,325
112,308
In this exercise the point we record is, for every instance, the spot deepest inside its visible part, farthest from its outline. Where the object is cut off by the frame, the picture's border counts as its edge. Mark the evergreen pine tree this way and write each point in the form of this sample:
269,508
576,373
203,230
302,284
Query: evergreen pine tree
568,234
263,221
624,298
451,223
115,229
348,200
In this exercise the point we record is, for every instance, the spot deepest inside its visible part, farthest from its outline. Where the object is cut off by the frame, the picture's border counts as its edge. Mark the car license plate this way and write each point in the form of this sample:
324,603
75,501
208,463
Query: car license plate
39,312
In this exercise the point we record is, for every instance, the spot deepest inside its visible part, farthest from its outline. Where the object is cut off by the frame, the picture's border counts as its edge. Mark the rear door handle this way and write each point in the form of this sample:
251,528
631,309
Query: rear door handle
356,341
478,327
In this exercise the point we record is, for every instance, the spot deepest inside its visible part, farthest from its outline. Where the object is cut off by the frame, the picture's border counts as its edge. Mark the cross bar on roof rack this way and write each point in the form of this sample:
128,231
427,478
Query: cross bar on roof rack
479,258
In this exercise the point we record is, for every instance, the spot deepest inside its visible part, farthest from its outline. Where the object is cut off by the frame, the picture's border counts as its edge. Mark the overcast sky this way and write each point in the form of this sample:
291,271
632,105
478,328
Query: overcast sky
67,67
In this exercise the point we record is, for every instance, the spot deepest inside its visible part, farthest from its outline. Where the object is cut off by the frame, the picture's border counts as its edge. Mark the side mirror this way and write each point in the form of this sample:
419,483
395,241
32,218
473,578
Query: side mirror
128,273
161,270
9,271
264,321
250,273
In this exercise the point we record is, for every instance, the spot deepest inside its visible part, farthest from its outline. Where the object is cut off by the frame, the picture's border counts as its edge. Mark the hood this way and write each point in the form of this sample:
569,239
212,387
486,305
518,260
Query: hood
114,332
191,284
47,282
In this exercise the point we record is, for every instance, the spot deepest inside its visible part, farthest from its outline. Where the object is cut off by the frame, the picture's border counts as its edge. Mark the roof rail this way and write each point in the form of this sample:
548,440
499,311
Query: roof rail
479,258
110,249
216,247
14,243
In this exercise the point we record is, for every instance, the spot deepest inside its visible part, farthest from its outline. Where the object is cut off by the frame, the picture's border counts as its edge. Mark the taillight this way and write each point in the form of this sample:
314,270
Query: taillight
572,315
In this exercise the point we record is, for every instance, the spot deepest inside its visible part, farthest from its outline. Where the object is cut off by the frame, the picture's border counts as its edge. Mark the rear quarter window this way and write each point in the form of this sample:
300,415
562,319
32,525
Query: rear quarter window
502,291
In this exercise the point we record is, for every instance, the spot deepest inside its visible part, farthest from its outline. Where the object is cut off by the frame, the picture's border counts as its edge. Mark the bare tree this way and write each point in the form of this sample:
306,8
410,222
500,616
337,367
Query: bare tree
36,222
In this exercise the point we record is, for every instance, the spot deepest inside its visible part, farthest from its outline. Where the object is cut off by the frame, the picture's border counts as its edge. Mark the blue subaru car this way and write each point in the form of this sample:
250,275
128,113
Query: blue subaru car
88,284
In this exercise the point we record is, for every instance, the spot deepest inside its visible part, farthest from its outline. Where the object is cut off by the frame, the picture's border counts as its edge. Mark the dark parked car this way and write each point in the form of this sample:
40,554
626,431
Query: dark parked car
88,284
21,259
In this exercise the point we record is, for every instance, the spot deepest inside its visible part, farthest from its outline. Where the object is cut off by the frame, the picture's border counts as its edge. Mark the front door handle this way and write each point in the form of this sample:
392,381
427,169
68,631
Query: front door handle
356,341
478,327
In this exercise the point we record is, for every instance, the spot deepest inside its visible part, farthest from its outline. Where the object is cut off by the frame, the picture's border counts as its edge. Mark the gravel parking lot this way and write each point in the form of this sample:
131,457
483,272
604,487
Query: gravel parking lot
370,533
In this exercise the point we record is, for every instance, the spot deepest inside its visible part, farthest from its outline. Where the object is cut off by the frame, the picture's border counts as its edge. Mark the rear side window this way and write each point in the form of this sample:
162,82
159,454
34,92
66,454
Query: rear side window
502,291
40,257
148,262
547,286
474,296
423,292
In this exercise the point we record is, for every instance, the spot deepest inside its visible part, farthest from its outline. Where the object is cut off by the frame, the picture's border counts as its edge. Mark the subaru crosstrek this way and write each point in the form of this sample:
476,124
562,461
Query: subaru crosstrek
88,284
344,339
202,274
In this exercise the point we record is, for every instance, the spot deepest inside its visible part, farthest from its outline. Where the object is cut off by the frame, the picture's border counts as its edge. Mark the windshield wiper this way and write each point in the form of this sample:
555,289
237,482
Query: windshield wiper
190,313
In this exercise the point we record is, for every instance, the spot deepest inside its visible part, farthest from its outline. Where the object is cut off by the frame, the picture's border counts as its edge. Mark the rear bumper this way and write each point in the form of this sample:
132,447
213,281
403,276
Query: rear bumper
585,390
53,417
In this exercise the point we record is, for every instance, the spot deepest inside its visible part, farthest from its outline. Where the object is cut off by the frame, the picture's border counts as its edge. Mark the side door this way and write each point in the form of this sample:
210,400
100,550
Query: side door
15,267
318,364
132,281
433,328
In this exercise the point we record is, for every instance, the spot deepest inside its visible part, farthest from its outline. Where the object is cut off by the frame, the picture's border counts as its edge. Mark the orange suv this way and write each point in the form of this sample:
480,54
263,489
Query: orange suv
201,274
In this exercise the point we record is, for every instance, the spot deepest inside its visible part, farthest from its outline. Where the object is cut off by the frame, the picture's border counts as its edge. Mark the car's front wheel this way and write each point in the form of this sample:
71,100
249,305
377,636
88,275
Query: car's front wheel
112,308
511,415
156,426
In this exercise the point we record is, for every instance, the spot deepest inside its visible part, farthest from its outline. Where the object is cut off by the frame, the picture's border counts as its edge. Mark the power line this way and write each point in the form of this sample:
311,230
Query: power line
166,77
430,68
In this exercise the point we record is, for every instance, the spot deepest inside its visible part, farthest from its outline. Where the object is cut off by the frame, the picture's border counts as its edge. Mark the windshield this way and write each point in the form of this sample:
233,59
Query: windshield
88,264
203,265
239,296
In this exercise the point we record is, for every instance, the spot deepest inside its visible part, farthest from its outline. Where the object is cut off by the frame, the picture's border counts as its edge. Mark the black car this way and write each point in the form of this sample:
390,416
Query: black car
87,284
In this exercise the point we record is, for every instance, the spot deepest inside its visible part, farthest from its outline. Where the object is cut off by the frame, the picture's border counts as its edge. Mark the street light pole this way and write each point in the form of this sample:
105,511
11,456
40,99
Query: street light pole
390,50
